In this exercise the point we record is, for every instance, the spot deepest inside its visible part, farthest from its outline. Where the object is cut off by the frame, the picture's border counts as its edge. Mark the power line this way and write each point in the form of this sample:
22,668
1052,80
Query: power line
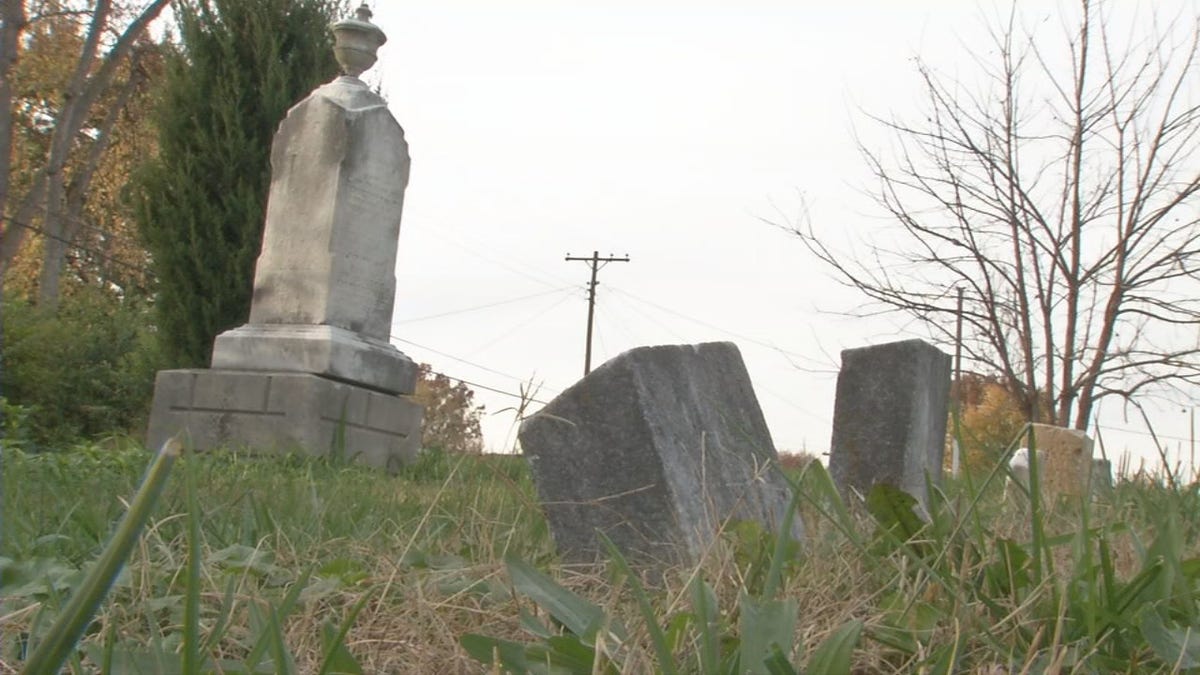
758,387
603,343
495,261
520,397
655,320
73,244
789,355
621,324
824,419
1140,433
469,363
522,323
475,308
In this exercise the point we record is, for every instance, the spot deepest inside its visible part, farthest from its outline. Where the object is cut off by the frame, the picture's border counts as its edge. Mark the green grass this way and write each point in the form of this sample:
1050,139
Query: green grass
395,571
65,502
264,522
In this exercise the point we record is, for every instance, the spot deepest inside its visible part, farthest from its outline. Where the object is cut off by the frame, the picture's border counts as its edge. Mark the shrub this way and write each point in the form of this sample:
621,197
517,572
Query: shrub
451,420
795,462
989,419
989,427
83,371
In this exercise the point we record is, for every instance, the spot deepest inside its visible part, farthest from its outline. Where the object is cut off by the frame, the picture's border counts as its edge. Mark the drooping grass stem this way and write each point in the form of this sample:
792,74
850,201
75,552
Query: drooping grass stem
59,642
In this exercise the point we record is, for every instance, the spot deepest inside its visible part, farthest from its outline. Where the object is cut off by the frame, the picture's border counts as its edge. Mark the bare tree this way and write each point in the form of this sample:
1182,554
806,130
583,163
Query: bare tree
1061,195
12,22
53,196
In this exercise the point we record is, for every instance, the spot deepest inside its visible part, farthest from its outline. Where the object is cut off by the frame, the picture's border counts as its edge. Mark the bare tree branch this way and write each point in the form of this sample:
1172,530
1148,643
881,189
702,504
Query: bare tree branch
1063,195
49,193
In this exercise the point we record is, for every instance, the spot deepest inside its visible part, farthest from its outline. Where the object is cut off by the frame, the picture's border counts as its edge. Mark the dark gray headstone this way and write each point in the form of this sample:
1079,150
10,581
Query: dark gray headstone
657,449
889,419
1102,478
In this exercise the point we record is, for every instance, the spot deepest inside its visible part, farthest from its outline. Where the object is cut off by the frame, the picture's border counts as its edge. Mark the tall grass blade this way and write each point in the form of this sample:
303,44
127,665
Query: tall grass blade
895,512
228,602
338,659
826,499
1040,549
833,656
765,626
579,616
489,650
280,613
783,545
1178,647
778,664
110,643
704,607
666,663
191,601
59,642
284,663
567,651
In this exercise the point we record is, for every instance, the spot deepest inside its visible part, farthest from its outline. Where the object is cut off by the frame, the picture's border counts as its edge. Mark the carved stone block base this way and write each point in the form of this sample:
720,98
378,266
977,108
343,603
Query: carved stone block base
284,412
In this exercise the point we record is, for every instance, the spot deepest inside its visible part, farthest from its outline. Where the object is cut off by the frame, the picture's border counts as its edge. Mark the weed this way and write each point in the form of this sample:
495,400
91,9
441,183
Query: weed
311,563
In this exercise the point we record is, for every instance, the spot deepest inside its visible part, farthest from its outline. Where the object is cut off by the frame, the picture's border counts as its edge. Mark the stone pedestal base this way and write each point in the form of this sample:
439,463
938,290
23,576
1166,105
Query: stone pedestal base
284,412
320,349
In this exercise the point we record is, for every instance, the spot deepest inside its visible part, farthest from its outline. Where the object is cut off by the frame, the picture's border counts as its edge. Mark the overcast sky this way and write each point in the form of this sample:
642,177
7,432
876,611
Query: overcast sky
667,131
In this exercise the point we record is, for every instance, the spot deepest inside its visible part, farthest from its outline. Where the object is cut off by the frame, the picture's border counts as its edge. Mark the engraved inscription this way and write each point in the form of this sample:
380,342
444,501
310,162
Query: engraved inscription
370,212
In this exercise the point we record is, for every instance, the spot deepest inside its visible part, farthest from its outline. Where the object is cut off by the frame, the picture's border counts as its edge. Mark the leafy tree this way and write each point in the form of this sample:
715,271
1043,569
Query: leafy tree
990,417
88,59
200,204
451,420
1059,189
104,251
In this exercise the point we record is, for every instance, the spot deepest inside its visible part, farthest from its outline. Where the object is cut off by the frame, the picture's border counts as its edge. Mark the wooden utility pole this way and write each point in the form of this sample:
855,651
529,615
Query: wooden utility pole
595,263
956,450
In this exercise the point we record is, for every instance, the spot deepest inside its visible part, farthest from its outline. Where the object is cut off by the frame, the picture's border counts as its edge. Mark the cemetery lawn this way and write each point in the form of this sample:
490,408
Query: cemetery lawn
430,555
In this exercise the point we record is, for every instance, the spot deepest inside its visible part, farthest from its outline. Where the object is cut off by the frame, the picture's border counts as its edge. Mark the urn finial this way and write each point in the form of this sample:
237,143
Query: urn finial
356,40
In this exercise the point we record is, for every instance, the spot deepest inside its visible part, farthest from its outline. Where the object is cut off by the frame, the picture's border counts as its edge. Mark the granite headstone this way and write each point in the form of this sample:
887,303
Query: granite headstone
889,418
657,449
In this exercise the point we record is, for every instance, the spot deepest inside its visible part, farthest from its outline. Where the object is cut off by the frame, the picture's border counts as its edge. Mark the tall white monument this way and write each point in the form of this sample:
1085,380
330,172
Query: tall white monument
313,369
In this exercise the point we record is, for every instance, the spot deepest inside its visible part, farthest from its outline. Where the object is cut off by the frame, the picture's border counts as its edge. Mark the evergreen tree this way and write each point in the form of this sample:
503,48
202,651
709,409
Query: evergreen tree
240,65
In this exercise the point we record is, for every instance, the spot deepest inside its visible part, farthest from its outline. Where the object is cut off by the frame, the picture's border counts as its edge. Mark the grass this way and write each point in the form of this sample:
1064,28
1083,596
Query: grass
457,546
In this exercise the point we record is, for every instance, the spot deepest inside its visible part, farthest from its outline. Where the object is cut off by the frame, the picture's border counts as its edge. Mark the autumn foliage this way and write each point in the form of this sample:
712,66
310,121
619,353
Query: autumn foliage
451,421
115,134
990,418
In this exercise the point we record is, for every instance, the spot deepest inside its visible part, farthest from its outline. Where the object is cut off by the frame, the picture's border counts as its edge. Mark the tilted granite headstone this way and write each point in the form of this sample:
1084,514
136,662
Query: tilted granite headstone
656,448
889,417
313,368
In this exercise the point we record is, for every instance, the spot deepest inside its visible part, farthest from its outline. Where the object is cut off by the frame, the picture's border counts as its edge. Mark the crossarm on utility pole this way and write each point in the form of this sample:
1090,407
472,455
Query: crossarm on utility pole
595,263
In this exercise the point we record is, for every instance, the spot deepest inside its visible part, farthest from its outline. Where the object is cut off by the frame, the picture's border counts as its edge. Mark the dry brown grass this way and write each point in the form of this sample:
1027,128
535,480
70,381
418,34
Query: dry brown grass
429,552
